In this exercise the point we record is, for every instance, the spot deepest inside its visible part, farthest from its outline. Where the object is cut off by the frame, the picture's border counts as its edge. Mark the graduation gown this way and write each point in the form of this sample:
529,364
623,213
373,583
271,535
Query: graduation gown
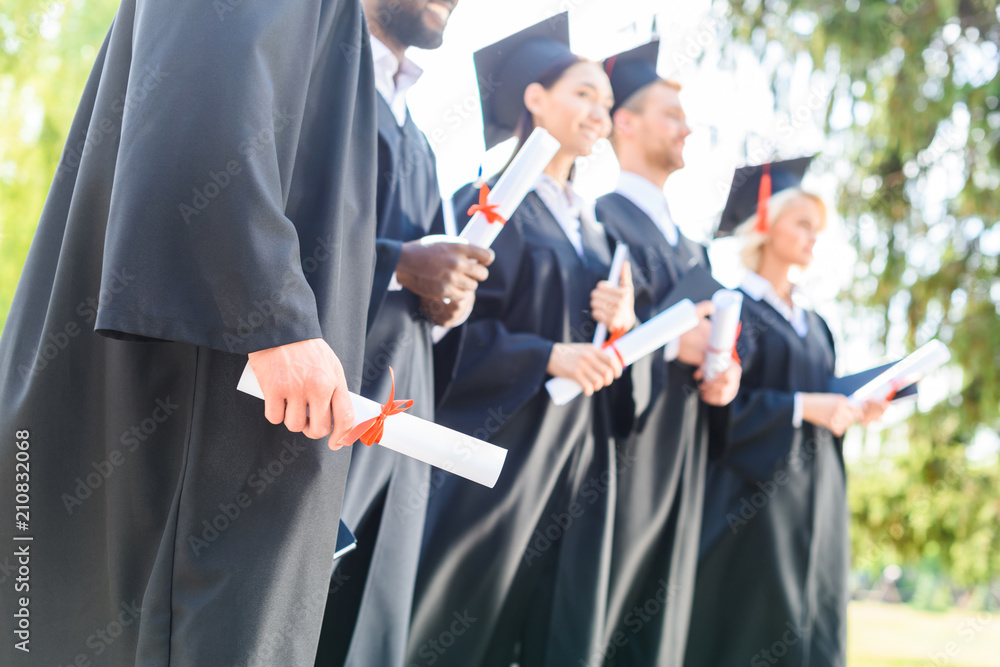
523,563
658,513
215,197
772,577
386,498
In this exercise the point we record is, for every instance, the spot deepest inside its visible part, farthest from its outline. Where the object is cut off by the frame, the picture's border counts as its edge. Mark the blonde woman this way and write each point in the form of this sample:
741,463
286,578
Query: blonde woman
772,583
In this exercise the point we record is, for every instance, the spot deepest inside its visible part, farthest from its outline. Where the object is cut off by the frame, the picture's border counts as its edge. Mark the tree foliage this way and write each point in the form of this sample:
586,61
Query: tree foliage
922,143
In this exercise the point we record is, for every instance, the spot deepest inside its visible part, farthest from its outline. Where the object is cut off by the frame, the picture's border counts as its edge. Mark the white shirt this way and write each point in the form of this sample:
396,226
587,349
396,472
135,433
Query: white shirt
565,206
393,78
651,200
761,290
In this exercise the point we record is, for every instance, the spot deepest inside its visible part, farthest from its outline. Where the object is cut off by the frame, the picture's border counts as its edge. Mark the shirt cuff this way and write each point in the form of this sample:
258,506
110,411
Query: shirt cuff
394,285
797,410
672,350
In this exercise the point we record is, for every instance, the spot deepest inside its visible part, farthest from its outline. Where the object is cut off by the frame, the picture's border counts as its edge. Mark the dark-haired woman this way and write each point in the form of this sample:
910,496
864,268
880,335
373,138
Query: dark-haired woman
518,572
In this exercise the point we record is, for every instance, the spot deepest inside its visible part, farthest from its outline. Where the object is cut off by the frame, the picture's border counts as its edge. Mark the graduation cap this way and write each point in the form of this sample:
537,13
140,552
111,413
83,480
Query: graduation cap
630,71
753,186
505,69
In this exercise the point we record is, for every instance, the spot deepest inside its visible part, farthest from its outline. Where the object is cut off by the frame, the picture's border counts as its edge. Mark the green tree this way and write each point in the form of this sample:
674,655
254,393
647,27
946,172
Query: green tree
919,82
46,52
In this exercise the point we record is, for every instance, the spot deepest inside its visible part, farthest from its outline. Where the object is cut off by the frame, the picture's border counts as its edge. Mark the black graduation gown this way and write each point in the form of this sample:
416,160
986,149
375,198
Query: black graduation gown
386,498
215,197
524,562
773,572
658,513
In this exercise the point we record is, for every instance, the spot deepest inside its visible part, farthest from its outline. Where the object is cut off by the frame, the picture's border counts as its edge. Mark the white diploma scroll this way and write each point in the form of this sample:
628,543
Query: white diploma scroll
636,344
513,186
725,324
913,368
614,277
419,439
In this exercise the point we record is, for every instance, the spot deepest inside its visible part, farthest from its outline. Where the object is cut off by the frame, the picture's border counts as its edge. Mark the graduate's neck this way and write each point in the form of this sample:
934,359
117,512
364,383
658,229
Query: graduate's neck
397,48
776,272
631,161
560,166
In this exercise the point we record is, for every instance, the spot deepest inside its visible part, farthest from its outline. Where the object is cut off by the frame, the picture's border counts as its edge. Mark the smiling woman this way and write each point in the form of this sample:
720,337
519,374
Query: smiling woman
528,559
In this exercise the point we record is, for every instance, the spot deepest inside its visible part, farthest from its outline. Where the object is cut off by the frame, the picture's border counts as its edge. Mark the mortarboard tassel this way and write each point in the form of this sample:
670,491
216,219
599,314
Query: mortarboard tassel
762,198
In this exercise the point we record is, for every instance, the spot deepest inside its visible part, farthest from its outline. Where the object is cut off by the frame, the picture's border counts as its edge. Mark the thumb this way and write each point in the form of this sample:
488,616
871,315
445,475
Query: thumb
705,308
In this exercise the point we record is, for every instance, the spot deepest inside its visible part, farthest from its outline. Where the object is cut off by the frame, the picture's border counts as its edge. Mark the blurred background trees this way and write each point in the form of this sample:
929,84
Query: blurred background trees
913,122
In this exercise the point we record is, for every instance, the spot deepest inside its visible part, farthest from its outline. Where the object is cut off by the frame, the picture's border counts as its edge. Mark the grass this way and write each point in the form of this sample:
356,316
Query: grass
883,635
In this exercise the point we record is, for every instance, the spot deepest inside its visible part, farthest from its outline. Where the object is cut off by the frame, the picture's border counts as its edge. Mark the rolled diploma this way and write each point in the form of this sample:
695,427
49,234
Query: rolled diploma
925,360
419,439
614,277
513,186
636,344
728,305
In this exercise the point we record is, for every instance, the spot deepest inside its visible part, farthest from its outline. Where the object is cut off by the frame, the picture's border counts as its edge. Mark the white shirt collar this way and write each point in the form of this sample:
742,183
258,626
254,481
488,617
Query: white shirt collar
644,194
393,78
760,289
565,206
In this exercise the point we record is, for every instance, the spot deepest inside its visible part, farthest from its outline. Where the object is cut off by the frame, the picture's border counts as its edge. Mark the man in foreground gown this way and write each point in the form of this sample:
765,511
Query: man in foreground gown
371,593
227,209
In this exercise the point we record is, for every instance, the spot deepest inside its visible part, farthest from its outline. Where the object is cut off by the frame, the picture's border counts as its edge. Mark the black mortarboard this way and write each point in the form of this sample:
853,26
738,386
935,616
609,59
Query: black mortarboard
745,192
632,70
505,69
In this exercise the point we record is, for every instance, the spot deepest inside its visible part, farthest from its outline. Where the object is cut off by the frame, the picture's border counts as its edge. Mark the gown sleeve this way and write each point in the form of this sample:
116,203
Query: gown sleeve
197,231
492,365
760,430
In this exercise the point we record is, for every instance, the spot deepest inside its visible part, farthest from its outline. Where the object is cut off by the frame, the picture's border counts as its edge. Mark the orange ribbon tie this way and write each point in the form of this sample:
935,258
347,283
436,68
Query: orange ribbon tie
763,195
610,342
487,209
370,430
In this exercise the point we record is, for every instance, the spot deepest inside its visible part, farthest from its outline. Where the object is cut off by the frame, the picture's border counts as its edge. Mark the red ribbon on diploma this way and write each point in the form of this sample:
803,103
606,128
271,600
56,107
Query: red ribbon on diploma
610,342
370,430
487,209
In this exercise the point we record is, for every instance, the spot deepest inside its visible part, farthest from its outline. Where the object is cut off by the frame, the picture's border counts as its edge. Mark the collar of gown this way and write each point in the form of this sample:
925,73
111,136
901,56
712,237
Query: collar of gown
759,289
565,206
651,200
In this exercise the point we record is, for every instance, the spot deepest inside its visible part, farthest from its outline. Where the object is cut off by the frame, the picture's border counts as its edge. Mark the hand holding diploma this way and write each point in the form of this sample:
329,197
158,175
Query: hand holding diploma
636,344
306,389
912,369
725,330
393,429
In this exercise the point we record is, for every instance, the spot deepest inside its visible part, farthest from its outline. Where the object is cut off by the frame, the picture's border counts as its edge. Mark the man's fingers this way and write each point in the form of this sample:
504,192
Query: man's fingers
295,414
484,256
318,420
274,409
477,272
343,415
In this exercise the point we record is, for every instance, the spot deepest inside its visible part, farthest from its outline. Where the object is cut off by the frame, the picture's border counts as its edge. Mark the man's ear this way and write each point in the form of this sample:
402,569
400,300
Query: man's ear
623,122
535,97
